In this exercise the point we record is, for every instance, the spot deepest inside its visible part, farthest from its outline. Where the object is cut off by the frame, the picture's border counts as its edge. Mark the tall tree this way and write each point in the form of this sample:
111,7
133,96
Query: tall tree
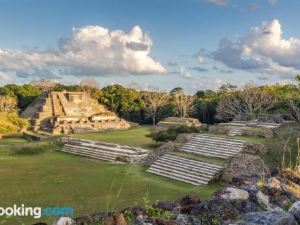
251,101
44,84
8,104
182,101
154,101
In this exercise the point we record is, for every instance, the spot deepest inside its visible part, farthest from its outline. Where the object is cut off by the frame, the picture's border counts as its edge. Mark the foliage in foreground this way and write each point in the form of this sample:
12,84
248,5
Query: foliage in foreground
171,133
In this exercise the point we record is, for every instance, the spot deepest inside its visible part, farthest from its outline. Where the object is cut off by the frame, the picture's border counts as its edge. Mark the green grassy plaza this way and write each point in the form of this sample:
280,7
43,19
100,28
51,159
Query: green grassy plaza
35,174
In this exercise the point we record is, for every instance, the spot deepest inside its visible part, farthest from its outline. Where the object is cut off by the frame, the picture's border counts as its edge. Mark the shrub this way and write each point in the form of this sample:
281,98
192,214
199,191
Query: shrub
171,133
11,123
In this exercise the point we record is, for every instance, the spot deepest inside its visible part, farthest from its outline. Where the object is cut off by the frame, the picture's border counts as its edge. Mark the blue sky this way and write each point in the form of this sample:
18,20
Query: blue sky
42,38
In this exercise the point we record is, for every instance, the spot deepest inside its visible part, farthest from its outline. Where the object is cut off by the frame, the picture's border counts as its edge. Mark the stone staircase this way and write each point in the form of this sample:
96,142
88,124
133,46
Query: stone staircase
236,131
104,151
213,146
185,170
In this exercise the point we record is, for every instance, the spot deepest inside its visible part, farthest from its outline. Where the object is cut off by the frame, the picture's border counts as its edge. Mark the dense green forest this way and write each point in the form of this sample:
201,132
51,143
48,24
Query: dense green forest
151,106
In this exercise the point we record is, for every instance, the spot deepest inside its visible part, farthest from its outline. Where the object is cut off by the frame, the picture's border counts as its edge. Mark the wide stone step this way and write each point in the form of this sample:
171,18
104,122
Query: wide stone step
218,140
207,170
197,172
191,162
212,145
176,177
89,151
222,156
182,172
84,151
103,147
206,137
100,157
102,144
184,169
178,164
100,150
210,142
210,149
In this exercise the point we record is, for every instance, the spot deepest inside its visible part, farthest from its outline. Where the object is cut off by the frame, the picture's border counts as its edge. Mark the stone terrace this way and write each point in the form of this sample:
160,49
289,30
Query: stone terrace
193,171
185,170
213,146
104,151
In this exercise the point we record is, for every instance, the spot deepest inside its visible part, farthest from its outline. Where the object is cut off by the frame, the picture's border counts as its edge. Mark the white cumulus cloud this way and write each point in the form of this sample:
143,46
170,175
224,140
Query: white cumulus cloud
90,50
263,49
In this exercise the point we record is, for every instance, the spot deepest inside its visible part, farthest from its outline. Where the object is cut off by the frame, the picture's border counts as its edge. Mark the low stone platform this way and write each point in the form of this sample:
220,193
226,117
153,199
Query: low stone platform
104,151
213,146
185,170
237,127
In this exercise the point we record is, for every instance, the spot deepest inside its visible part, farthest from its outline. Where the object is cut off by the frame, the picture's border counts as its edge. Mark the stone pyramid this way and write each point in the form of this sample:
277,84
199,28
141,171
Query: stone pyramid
71,112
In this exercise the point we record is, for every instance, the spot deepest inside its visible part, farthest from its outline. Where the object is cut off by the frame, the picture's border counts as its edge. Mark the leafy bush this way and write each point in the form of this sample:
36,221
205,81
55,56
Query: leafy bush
171,133
11,123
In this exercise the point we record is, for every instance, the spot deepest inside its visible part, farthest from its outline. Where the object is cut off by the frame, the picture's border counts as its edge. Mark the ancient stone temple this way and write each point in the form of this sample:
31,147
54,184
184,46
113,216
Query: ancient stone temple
71,112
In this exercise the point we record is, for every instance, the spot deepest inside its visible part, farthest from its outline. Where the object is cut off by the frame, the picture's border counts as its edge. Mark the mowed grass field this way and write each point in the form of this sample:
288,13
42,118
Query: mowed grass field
53,178
132,137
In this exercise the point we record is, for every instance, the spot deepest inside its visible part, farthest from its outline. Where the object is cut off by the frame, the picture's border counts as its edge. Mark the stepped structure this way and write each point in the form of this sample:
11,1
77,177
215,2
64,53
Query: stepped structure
104,151
213,146
185,170
71,112
176,121
237,127
193,171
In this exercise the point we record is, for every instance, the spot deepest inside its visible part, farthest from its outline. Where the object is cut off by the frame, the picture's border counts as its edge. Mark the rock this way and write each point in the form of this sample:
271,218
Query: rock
268,218
110,221
183,138
99,217
184,219
64,221
295,210
255,148
263,200
235,194
215,210
245,165
187,203
274,183
160,221
138,211
165,205
120,219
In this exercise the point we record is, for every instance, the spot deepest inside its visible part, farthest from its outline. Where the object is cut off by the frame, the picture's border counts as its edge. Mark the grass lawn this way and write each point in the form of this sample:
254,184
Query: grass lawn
133,137
54,178
13,139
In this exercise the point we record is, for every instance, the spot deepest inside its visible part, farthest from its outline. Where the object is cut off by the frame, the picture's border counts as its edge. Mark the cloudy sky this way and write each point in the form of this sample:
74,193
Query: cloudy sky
195,44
